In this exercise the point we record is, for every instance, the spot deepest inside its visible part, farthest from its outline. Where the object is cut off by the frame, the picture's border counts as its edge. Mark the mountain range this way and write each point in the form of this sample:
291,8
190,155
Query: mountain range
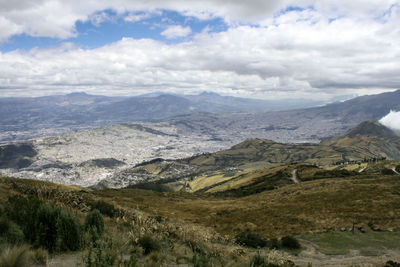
79,110
24,118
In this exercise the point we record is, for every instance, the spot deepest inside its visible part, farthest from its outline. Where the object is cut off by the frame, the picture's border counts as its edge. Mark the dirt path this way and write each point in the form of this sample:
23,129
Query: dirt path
294,177
316,258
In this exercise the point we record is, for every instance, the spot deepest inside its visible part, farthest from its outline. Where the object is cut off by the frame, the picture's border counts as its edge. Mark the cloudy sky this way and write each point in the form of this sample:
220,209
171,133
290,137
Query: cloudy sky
256,48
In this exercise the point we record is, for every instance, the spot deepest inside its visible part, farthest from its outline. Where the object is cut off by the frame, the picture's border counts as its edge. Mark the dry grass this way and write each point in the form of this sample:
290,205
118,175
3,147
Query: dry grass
201,222
15,257
313,206
206,181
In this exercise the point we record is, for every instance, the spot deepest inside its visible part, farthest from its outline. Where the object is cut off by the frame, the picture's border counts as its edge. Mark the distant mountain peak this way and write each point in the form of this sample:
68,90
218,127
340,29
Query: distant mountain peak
371,128
78,94
208,93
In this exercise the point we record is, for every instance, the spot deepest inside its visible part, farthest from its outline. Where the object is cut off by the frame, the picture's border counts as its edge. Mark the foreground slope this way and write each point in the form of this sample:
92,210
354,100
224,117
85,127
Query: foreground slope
320,204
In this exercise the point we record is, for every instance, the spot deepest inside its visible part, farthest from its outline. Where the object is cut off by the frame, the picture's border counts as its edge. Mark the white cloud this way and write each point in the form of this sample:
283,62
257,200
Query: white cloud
134,17
302,53
176,31
392,120
57,18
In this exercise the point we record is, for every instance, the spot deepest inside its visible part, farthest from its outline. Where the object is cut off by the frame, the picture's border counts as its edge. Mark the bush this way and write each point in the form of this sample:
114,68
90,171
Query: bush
94,223
290,242
273,243
15,256
104,208
23,211
40,224
14,234
101,253
46,227
250,239
68,231
149,244
4,226
10,231
392,264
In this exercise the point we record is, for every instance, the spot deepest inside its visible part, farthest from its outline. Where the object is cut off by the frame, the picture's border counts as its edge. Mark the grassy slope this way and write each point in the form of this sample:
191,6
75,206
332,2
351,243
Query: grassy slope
311,206
315,206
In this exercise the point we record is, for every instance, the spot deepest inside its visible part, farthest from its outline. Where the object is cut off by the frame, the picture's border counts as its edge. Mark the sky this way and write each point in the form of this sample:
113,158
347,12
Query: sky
325,50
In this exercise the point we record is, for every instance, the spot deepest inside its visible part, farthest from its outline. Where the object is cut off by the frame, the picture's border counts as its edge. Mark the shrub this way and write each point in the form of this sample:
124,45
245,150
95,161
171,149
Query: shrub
94,223
149,244
104,208
23,211
68,231
4,225
41,224
250,239
15,256
392,264
14,234
273,243
10,231
46,227
101,253
290,242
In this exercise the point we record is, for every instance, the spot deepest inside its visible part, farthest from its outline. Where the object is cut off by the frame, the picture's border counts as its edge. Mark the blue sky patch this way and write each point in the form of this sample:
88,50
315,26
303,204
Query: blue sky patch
107,26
